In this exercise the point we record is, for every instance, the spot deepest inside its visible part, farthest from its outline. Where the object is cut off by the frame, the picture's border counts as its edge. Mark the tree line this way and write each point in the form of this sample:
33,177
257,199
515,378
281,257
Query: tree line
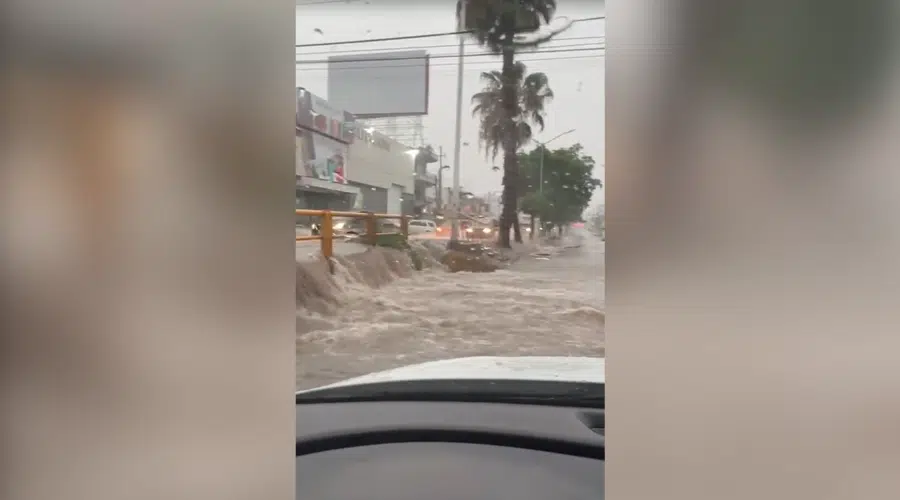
511,105
556,188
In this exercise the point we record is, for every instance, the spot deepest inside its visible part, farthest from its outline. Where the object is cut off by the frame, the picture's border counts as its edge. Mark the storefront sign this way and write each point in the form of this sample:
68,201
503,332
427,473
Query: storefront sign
373,138
322,157
314,113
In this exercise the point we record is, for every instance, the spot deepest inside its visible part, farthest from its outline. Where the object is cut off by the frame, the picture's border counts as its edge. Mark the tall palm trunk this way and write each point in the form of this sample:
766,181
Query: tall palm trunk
517,230
509,216
509,210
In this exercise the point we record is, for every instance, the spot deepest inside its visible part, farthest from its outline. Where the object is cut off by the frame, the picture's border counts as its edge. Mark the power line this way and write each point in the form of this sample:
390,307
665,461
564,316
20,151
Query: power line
492,63
419,59
584,19
413,37
470,66
322,2
386,39
438,56
446,45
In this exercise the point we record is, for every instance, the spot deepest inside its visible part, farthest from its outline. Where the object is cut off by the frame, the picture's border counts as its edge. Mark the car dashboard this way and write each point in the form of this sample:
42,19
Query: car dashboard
435,450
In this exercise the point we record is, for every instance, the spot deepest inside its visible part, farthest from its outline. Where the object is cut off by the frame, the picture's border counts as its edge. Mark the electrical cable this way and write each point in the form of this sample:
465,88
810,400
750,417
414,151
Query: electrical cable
323,2
414,37
469,65
437,56
446,45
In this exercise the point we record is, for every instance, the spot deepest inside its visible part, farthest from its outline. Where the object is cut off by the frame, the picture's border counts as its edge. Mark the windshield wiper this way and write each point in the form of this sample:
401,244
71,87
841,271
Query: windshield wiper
555,393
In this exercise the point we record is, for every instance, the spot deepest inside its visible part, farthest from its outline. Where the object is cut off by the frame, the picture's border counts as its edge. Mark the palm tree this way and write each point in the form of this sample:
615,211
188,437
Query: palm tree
502,26
533,92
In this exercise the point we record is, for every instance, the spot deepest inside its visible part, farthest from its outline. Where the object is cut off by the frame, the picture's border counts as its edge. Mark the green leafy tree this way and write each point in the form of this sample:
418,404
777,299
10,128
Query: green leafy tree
568,183
534,204
503,27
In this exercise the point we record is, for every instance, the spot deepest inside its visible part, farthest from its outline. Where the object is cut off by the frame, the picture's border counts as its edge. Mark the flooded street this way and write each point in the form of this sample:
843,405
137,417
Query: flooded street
539,306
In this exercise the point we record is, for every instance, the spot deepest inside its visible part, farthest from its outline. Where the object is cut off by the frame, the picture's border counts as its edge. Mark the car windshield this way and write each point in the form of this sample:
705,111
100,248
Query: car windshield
462,265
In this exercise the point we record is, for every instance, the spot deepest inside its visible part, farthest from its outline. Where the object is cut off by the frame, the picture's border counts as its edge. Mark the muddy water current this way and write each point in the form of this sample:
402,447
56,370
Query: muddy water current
375,313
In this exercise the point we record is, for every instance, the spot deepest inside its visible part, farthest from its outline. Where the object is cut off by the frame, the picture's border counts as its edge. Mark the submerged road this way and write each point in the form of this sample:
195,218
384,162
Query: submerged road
541,305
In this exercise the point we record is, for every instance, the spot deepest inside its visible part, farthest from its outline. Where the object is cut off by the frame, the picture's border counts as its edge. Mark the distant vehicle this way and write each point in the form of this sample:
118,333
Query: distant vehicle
525,226
422,226
352,226
348,226
479,231
388,226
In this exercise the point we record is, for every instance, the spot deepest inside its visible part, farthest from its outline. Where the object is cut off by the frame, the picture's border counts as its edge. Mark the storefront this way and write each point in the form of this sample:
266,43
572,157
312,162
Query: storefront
322,140
384,171
322,158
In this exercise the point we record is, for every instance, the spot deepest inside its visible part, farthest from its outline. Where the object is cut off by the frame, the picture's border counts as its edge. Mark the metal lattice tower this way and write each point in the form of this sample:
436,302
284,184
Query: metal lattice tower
408,130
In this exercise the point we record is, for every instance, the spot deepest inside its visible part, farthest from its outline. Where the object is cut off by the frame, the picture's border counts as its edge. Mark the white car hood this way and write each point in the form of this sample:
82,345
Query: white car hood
535,368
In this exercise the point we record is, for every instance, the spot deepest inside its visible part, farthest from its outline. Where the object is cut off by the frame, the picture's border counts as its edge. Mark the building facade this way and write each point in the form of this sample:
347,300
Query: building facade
425,191
321,166
383,171
343,165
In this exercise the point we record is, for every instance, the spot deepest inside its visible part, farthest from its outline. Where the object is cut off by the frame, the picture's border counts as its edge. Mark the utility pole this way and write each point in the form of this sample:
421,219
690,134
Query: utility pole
543,146
440,179
454,225
541,170
441,186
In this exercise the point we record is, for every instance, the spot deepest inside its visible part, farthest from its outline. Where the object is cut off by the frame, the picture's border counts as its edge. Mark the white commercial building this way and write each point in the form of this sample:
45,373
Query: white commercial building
343,166
383,170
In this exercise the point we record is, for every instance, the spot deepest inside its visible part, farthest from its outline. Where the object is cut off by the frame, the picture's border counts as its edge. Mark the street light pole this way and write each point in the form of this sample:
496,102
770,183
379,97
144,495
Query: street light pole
440,195
541,167
454,224
440,176
541,178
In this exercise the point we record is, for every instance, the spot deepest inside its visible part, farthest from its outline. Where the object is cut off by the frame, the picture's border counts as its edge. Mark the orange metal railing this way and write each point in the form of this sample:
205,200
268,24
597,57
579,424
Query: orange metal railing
326,234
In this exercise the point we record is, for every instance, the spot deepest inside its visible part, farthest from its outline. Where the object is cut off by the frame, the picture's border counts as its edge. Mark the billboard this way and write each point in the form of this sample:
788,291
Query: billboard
323,133
381,84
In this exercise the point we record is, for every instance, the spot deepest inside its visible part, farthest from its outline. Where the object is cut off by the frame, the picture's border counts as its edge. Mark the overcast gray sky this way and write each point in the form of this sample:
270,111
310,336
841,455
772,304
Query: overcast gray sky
577,77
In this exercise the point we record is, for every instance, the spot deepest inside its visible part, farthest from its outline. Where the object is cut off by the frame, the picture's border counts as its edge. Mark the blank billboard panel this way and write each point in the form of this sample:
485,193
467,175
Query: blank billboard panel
377,85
